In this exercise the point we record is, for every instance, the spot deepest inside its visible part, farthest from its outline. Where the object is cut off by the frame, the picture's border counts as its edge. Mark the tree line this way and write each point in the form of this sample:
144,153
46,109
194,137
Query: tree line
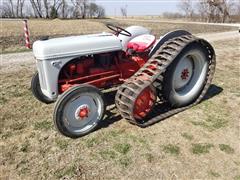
51,9
203,10
211,10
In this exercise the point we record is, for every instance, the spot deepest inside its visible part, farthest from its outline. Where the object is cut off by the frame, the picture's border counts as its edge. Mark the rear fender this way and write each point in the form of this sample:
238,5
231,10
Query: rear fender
135,31
166,37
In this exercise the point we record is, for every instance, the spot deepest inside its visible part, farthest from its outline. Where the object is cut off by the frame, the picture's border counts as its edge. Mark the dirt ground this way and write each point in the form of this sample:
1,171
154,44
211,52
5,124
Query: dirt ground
200,143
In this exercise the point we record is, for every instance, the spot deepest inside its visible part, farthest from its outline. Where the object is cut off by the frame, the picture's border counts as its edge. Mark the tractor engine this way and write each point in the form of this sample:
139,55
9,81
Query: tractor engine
89,65
106,69
101,70
84,69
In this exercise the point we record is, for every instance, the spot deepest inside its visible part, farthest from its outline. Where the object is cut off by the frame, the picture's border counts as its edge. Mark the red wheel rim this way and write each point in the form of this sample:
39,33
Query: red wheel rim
83,112
144,103
185,74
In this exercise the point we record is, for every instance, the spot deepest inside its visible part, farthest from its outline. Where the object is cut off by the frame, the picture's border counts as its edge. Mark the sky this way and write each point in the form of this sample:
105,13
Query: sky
139,7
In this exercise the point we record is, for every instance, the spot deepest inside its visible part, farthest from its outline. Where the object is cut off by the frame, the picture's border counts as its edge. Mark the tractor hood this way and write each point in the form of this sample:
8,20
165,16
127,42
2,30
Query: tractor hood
76,45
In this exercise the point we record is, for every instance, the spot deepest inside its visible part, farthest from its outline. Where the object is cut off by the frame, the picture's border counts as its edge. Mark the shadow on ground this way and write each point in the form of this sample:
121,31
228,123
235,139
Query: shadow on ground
112,116
212,91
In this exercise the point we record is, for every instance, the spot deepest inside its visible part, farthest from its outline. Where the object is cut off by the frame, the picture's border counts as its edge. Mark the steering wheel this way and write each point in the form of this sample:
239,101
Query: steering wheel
118,30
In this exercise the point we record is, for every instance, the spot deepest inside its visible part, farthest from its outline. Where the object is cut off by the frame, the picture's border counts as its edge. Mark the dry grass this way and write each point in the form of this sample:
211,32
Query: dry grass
160,28
12,35
31,148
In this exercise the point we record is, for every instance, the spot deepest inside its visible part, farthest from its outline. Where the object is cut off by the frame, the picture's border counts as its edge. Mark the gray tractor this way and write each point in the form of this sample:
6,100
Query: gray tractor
156,78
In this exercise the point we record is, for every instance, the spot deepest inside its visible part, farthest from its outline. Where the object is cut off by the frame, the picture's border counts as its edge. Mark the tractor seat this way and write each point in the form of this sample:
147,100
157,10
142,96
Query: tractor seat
141,43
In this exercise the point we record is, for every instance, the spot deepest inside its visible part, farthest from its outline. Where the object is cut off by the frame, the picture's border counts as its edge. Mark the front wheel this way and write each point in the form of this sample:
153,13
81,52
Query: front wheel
78,111
36,90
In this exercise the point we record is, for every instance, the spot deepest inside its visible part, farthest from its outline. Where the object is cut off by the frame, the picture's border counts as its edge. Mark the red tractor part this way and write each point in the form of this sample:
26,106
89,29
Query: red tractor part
83,113
144,103
87,70
141,43
185,74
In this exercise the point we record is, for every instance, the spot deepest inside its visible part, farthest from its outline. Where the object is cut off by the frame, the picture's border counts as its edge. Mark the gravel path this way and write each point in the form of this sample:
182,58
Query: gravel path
27,58
179,22
211,37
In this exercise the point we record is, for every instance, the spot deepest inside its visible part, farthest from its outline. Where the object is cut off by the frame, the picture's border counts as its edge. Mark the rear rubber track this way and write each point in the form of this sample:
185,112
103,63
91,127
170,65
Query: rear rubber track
152,73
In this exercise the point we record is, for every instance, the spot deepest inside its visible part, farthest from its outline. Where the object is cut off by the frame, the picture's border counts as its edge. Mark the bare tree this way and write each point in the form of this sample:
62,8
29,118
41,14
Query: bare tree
187,7
12,8
220,7
1,12
46,6
17,8
228,9
124,11
92,9
100,12
71,12
37,8
238,9
21,7
204,10
64,9
57,4
216,10
55,8
7,10
51,9
80,7
29,10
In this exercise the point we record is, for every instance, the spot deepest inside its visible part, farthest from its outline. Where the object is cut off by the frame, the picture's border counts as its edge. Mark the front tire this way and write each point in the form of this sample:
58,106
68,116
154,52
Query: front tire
78,111
36,90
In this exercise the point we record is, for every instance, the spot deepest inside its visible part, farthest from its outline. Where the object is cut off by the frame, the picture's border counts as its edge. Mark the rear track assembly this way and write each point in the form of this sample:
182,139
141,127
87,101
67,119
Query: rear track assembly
152,73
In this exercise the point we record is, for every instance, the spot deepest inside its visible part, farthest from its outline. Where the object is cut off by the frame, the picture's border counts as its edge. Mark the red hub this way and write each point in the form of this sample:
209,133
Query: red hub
83,113
144,103
185,74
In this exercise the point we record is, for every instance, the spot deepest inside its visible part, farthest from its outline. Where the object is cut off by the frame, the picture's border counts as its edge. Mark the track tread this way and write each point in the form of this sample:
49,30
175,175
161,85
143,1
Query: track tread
162,58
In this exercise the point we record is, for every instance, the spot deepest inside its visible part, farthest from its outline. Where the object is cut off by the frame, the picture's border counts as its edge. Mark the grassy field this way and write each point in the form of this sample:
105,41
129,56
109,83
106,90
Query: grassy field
200,143
12,35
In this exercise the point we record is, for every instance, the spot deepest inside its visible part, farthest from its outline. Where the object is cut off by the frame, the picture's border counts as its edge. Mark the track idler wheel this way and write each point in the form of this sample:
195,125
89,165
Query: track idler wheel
135,100
144,103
